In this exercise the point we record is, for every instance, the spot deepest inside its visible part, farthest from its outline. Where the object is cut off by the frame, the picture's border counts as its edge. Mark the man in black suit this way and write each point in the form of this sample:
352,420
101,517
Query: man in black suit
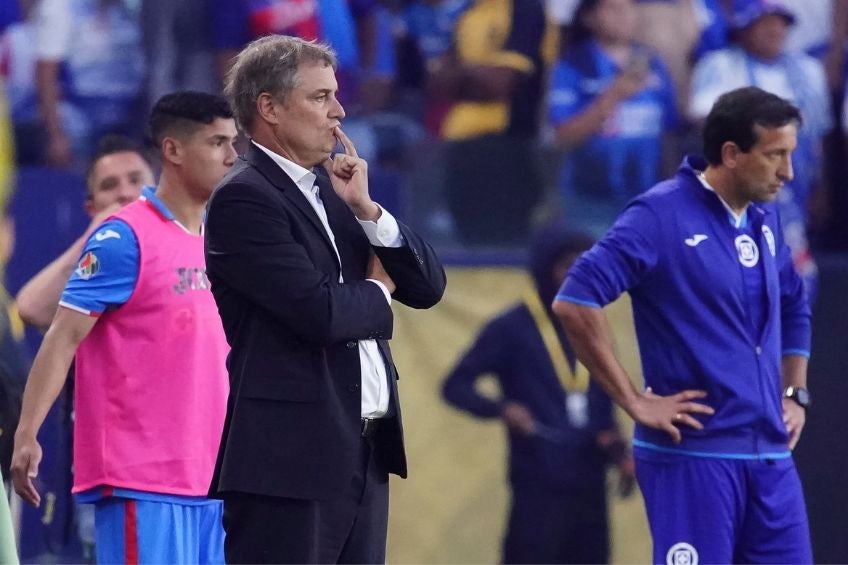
303,266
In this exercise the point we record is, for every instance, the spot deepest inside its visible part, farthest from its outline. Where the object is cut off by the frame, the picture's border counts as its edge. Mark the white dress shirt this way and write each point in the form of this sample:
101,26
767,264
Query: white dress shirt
383,233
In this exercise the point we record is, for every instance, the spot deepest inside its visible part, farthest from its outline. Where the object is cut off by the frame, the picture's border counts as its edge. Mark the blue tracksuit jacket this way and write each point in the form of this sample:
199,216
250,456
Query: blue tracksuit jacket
684,265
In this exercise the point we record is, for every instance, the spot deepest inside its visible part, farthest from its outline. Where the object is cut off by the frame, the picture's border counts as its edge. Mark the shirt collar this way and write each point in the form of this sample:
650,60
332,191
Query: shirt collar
148,193
736,220
302,177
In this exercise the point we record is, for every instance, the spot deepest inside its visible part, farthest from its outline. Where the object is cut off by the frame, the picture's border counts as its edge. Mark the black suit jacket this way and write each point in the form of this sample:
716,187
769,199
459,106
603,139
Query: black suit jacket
293,415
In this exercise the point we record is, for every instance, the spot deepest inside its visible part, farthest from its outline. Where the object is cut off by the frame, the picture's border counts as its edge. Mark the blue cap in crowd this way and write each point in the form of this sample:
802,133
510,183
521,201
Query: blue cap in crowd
746,12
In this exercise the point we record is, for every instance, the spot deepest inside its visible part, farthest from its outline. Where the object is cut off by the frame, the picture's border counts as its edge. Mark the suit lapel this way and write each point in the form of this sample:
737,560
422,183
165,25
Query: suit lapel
278,177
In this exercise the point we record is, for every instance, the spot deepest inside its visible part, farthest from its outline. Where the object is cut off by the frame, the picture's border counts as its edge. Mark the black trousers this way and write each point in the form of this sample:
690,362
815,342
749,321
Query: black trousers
552,525
349,529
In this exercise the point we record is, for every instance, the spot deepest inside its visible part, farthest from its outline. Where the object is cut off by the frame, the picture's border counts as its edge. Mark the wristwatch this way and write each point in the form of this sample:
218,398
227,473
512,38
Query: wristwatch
800,395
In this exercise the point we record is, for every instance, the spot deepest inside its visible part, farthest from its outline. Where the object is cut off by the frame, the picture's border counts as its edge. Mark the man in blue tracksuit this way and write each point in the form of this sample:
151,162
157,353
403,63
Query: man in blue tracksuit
724,335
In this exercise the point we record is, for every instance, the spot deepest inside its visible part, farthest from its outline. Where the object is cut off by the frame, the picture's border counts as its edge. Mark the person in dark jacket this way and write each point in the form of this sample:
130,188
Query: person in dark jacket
561,430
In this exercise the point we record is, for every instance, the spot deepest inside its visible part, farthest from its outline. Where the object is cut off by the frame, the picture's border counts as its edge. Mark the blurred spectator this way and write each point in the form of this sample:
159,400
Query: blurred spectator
611,101
715,29
680,31
426,34
177,46
7,154
13,364
562,434
430,23
759,58
494,76
383,130
13,367
377,74
116,175
348,26
13,372
813,27
820,30
88,55
422,33
17,69
562,11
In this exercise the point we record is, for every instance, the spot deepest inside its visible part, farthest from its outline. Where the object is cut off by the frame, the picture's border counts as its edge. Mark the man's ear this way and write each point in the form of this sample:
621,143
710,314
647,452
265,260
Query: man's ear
730,154
266,108
172,151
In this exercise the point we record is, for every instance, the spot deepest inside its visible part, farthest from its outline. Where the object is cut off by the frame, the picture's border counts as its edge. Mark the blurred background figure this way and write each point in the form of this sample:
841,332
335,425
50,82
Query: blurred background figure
348,27
177,41
426,35
13,363
118,172
13,370
698,26
758,57
820,31
423,33
562,435
493,79
90,74
611,104
17,69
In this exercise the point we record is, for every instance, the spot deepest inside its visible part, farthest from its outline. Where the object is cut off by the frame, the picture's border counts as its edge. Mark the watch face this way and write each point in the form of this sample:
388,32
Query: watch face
802,396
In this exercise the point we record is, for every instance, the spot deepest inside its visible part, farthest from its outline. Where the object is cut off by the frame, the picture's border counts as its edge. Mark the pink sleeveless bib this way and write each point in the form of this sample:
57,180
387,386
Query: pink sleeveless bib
151,380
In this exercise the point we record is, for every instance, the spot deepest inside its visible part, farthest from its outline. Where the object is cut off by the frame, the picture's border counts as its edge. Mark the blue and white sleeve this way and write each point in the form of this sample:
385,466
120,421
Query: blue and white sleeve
107,272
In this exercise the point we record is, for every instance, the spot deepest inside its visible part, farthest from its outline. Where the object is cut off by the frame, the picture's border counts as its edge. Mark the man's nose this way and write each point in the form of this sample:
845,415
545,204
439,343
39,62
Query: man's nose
128,193
785,173
337,111
232,154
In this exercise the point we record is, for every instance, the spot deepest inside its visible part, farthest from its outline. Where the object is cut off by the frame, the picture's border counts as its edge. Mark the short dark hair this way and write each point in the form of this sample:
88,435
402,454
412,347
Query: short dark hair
184,112
110,144
734,115
549,245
